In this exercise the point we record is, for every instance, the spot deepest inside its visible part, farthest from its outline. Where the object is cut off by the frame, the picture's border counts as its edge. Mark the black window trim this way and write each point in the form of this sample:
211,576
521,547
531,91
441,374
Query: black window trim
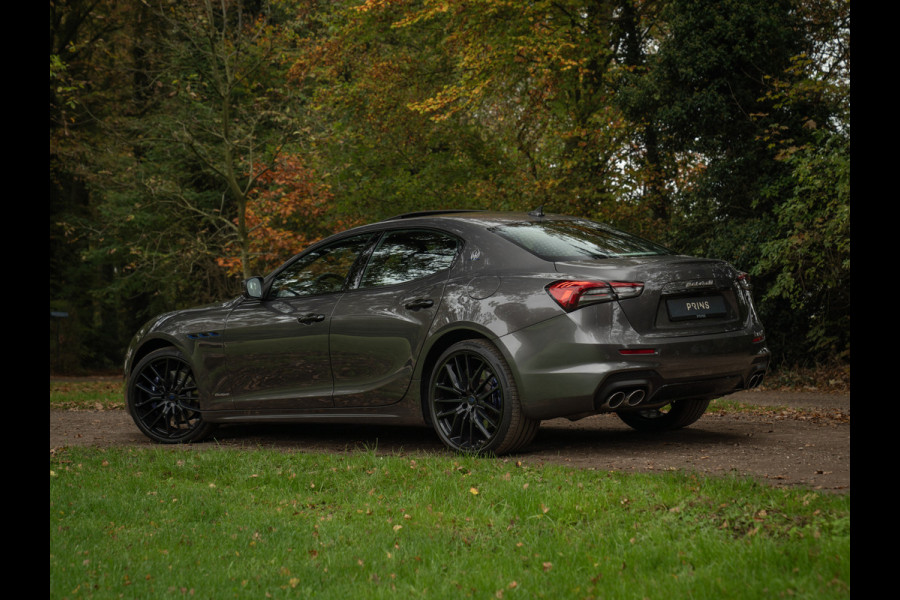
323,244
355,282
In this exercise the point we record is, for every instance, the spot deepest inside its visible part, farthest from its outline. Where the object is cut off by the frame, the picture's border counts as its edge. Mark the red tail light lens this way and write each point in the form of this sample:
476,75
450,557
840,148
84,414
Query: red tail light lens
743,280
575,294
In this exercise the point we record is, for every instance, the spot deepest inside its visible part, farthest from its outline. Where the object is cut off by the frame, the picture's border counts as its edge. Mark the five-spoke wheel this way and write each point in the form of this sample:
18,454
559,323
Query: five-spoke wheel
162,398
474,403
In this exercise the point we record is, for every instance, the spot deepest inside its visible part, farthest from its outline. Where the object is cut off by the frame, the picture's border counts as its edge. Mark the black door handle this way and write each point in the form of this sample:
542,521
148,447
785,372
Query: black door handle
419,303
311,318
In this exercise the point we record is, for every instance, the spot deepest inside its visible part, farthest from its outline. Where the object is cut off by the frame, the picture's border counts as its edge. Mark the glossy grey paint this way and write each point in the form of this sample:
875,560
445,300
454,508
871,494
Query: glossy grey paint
376,337
278,353
562,362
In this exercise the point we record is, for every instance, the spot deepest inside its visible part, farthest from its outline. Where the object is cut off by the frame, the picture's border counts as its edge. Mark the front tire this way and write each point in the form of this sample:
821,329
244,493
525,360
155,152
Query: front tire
162,398
474,402
680,413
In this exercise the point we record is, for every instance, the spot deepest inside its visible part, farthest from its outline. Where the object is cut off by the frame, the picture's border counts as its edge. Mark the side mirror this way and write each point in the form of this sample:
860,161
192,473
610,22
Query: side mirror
253,287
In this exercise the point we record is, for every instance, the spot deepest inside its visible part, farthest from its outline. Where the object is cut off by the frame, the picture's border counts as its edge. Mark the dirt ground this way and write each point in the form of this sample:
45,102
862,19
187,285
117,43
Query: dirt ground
802,439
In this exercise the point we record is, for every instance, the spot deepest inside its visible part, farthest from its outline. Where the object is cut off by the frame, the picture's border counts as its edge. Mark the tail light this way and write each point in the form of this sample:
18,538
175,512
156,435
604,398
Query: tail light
743,280
575,294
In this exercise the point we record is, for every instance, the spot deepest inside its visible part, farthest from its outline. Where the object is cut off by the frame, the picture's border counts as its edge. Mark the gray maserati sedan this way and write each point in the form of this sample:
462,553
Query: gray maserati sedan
477,324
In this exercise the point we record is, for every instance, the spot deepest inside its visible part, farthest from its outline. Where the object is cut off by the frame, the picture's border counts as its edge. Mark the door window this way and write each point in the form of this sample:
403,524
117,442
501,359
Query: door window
403,256
321,271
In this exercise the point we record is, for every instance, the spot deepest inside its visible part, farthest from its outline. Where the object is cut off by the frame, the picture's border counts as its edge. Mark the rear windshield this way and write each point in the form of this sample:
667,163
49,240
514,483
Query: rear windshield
577,240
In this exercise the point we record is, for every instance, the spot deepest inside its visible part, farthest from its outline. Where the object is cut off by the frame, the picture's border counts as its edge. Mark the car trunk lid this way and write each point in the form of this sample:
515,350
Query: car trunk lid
681,296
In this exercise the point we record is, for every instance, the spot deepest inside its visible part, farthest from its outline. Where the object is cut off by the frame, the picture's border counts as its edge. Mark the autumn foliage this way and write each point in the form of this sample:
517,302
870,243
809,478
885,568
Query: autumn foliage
290,208
195,143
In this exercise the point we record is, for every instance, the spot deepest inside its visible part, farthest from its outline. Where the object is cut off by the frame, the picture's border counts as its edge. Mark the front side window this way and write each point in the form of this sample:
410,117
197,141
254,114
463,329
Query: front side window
321,271
577,240
403,256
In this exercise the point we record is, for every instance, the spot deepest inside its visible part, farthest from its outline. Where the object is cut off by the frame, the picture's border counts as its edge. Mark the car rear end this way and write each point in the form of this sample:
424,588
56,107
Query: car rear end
636,326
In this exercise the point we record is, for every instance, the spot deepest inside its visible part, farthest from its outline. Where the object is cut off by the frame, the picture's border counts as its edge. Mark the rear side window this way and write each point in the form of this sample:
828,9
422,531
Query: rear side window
577,240
403,256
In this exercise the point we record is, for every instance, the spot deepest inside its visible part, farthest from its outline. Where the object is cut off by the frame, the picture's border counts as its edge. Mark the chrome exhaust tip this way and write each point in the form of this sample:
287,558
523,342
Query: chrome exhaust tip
615,400
755,380
635,397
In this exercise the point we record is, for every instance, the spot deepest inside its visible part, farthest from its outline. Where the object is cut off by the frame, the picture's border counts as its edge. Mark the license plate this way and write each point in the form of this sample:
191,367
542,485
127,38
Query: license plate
699,307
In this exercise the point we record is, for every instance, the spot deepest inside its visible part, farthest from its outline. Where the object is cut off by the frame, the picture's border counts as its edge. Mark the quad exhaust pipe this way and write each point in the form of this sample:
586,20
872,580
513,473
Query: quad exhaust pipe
755,380
635,397
615,400
642,389
628,397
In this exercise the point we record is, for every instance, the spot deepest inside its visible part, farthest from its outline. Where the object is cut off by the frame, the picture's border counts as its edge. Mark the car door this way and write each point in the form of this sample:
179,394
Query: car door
378,328
277,347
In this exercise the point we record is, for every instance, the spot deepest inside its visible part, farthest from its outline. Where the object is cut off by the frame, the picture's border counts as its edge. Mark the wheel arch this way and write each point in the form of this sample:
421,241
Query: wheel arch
439,344
150,345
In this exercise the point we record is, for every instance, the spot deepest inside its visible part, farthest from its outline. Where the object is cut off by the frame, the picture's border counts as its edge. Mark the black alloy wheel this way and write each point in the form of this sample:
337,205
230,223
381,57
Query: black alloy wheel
474,402
163,399
680,413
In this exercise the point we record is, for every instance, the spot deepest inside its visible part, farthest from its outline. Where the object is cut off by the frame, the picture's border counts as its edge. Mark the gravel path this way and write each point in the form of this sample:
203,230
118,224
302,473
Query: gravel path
799,439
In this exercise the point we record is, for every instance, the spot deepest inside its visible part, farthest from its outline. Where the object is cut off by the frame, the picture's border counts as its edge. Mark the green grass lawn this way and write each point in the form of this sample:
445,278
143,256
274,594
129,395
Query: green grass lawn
208,522
217,523
103,394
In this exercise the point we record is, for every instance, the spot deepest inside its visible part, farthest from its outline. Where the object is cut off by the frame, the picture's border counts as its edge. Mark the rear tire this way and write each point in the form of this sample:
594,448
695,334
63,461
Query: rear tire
680,413
474,403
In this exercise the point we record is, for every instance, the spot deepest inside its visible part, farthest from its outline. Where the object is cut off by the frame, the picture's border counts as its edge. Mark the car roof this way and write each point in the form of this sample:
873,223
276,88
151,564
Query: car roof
479,216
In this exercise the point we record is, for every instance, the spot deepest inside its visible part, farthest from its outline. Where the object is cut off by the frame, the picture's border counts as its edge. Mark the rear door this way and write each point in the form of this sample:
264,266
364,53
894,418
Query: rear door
378,329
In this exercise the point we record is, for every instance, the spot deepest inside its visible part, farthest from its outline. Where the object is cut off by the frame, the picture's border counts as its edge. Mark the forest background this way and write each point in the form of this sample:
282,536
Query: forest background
194,143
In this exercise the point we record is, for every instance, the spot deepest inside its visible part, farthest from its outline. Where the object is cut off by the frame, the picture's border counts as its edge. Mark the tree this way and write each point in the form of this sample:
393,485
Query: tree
365,73
83,85
195,141
285,212
807,253
163,127
222,65
810,256
769,112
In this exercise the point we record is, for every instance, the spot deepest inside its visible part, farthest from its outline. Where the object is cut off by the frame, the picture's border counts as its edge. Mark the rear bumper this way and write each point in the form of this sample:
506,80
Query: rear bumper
566,370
